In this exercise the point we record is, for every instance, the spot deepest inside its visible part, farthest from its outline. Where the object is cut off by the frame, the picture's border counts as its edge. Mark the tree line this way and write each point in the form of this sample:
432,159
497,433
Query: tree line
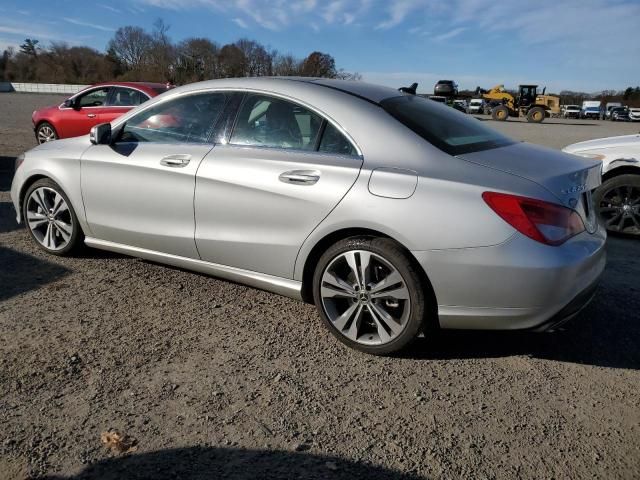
134,54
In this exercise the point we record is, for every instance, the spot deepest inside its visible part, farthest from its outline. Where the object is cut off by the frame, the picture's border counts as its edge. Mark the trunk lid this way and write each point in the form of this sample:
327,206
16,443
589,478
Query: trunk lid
569,178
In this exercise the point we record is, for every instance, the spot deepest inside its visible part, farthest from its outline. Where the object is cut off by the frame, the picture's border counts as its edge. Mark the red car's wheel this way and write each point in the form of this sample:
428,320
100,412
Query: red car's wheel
46,133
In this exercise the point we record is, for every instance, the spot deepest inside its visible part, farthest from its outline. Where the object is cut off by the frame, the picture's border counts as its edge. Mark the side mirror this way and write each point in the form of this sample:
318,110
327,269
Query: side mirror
100,134
69,103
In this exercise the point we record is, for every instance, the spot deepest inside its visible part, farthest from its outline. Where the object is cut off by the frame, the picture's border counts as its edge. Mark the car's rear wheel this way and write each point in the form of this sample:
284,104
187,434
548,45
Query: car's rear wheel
618,204
50,218
46,133
369,294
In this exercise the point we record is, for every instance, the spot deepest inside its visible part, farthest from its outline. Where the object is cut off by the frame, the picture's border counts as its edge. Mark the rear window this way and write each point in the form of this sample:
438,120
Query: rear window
444,127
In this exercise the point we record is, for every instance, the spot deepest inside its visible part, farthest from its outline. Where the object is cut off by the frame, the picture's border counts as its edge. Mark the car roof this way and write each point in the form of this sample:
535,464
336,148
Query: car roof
366,91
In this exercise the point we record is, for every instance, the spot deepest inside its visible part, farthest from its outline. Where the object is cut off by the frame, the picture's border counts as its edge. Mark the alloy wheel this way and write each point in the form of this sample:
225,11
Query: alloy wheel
365,297
620,209
49,218
46,134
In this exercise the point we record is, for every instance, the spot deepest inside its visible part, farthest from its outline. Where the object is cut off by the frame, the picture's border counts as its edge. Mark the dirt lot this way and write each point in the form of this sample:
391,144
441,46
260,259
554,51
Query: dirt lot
217,380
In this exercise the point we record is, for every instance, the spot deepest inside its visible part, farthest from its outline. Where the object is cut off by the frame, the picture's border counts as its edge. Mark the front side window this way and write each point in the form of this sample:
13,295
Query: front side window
265,121
94,98
126,97
186,119
442,126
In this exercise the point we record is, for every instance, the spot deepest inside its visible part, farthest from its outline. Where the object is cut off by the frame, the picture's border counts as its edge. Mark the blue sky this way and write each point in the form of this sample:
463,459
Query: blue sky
564,44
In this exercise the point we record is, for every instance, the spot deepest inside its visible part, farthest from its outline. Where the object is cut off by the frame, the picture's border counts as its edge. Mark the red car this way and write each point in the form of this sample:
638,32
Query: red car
99,103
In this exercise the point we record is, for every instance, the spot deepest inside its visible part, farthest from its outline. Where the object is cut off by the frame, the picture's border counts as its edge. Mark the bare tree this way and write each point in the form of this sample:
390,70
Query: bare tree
319,64
197,59
257,61
285,65
232,61
132,46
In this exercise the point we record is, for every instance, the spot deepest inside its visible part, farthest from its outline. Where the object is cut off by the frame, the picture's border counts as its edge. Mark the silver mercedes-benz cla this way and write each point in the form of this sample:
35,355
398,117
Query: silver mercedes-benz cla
394,214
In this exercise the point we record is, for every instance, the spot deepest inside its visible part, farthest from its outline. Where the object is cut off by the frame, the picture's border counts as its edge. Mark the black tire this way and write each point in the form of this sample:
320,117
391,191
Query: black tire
395,255
76,240
536,115
500,113
609,200
41,135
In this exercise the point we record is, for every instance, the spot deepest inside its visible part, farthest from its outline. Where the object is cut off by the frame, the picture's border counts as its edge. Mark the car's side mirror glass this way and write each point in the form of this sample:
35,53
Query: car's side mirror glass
100,134
69,103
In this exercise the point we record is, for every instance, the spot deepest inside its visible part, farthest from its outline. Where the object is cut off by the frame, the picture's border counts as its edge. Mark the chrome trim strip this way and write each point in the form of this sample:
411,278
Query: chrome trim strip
270,283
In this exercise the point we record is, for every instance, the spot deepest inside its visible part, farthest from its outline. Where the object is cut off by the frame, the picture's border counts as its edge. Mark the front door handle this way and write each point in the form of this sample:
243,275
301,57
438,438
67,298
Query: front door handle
91,115
175,161
300,177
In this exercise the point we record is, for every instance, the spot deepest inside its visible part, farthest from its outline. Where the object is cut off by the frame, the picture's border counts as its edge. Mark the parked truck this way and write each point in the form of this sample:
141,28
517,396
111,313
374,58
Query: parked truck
590,109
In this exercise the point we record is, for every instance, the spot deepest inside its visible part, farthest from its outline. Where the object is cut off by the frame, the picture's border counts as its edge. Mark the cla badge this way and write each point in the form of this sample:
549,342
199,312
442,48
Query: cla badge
574,189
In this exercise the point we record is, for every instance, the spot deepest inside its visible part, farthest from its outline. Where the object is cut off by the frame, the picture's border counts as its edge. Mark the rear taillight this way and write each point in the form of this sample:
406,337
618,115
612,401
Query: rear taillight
544,222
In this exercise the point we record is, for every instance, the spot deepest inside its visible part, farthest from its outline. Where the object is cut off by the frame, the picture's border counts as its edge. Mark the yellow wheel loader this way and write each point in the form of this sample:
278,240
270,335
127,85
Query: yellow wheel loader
528,103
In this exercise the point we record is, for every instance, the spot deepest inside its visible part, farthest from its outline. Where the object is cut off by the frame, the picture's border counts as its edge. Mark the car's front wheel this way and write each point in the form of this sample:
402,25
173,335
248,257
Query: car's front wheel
618,204
50,218
369,294
46,133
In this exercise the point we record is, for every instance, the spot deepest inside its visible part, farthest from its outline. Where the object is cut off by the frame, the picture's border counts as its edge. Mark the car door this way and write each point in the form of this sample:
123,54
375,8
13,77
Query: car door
261,194
139,190
120,101
86,112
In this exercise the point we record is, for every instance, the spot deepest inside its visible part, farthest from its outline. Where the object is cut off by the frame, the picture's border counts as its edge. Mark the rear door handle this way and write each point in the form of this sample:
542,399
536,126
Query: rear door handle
300,177
91,115
175,161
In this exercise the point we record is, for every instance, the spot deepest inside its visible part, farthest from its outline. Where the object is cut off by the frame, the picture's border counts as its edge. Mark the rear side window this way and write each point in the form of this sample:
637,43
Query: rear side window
265,121
445,128
335,142
126,97
186,119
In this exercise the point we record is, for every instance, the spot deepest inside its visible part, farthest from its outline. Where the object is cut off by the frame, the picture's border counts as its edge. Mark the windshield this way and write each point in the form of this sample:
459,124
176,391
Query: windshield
445,128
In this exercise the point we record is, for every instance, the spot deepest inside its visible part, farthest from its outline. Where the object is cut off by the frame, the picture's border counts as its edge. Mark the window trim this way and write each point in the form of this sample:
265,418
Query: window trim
89,89
117,123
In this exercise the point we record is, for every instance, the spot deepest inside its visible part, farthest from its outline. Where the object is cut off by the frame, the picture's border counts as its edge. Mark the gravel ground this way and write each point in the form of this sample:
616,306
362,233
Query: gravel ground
217,380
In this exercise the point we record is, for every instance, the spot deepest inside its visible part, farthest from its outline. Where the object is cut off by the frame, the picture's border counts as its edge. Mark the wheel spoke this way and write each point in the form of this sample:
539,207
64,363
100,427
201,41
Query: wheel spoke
342,321
382,332
401,293
38,197
48,237
59,204
609,209
350,257
389,281
614,219
332,286
64,229
365,261
36,219
354,329
389,321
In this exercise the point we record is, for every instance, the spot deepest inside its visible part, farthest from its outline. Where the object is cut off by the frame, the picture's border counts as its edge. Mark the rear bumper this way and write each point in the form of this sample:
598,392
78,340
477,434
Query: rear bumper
519,284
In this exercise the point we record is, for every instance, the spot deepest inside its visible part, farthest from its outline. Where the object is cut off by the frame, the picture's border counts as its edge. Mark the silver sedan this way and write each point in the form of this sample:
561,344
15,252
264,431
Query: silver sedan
394,214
